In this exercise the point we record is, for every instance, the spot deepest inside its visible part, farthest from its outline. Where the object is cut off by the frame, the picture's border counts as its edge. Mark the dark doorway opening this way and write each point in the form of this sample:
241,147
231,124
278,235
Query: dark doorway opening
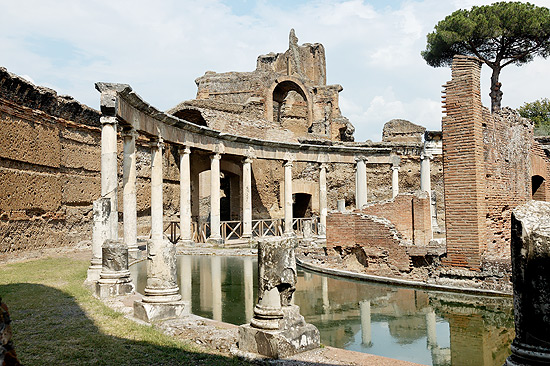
538,185
302,205
225,198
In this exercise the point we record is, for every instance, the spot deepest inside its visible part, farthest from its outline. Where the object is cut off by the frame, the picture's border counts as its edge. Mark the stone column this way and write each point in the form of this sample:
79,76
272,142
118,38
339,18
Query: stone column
185,197
115,277
366,333
215,236
288,197
247,198
530,251
426,184
162,299
109,170
395,180
361,182
101,231
129,210
322,200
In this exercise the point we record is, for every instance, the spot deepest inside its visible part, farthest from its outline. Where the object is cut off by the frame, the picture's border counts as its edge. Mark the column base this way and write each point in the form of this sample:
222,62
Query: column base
151,312
186,243
134,254
294,336
94,272
527,355
114,284
215,241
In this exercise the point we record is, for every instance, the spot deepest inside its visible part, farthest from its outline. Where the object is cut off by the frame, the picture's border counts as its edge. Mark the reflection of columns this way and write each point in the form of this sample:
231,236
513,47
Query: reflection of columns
215,235
216,289
430,326
324,290
109,171
248,289
185,196
129,192
366,334
361,182
247,198
288,197
395,180
186,279
323,199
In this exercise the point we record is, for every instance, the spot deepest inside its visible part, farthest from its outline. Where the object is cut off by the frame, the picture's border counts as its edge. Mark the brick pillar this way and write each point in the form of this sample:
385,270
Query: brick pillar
463,163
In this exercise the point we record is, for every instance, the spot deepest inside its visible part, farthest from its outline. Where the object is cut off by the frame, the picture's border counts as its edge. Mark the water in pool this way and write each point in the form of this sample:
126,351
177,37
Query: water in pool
428,327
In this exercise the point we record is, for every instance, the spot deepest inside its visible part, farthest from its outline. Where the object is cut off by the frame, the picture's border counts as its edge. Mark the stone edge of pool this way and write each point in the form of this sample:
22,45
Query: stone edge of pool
398,281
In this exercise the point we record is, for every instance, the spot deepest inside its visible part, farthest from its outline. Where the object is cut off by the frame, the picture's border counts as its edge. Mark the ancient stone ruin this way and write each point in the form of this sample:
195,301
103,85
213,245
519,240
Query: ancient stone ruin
277,329
531,278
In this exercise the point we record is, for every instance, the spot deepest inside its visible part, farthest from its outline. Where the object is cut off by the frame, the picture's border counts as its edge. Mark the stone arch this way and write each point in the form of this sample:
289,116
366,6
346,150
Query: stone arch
191,115
280,89
538,186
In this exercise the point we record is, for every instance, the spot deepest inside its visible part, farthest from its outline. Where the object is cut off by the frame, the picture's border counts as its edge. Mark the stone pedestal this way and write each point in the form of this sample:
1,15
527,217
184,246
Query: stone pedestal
294,336
530,249
115,278
277,328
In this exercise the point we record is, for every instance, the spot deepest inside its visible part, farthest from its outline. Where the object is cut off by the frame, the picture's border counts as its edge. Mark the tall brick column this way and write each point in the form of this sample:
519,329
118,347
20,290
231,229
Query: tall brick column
463,163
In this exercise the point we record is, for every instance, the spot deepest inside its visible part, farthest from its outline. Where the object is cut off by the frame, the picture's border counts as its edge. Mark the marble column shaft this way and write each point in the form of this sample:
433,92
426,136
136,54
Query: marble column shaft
395,181
129,191
185,195
215,196
109,170
288,197
247,198
323,198
361,183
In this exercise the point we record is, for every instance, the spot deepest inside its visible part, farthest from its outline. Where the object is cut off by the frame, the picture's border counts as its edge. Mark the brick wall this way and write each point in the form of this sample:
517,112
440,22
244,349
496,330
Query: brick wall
410,213
488,161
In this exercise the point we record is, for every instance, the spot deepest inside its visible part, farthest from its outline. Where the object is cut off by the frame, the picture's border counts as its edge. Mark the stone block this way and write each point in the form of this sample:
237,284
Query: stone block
295,336
151,312
23,190
80,156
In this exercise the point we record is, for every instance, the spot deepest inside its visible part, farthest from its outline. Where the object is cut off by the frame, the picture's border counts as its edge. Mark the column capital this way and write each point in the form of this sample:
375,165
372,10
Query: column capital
323,165
362,158
288,163
184,150
129,132
247,160
395,167
426,155
157,142
108,120
216,156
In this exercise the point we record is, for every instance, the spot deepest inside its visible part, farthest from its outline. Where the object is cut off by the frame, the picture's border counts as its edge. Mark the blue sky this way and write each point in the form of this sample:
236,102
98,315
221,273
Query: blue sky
160,48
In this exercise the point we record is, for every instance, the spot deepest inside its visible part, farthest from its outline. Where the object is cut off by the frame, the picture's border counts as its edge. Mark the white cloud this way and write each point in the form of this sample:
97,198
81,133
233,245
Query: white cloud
159,48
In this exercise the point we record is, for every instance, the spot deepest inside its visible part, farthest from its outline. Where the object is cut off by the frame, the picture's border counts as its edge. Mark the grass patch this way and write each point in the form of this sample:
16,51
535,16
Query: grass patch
56,321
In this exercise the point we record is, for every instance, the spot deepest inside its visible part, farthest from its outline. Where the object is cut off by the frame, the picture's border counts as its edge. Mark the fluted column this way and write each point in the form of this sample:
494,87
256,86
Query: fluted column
361,182
129,192
395,180
247,198
109,170
185,196
215,236
288,197
322,199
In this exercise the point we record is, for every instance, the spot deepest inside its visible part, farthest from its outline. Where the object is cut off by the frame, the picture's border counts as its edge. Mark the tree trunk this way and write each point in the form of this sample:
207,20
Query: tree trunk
495,94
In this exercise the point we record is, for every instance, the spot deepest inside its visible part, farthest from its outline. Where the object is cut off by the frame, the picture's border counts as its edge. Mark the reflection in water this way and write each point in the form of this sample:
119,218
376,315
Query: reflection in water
420,326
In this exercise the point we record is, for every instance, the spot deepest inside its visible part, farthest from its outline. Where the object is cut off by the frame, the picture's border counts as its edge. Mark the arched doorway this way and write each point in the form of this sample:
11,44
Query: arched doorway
538,186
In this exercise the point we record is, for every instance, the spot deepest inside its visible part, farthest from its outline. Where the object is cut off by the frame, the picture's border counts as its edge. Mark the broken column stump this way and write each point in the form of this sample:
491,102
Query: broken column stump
277,328
530,250
114,279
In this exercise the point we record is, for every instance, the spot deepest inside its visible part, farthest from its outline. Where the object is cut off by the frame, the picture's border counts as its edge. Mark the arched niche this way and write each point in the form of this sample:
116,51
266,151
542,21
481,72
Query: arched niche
538,187
277,93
